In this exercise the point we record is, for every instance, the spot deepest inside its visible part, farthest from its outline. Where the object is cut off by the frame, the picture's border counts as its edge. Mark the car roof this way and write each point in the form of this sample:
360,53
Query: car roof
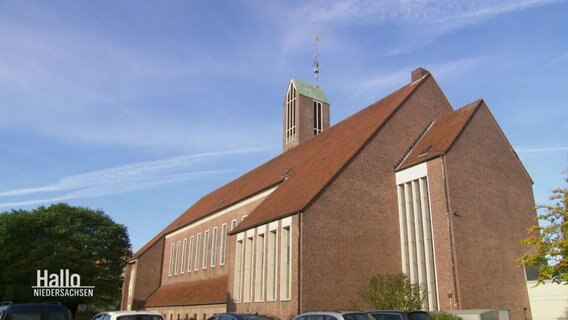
27,305
130,313
241,314
396,311
238,313
331,313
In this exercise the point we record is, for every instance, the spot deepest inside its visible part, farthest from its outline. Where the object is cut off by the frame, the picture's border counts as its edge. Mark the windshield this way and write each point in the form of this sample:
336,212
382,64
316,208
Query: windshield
419,316
34,315
356,316
26,315
255,317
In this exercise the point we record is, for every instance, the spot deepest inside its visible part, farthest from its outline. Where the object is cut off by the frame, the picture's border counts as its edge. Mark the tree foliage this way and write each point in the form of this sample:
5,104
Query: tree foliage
389,292
84,241
549,241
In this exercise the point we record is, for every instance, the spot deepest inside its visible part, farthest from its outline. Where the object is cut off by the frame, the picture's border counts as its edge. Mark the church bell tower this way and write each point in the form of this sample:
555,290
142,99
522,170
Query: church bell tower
306,113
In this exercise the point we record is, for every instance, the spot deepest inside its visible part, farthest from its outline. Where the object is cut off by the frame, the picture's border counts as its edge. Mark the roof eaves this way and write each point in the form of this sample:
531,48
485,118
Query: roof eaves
181,225
224,206
178,294
282,216
424,159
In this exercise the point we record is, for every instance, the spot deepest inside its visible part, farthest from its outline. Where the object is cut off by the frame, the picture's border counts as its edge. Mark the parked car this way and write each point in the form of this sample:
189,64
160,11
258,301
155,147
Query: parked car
241,316
128,315
333,315
34,311
399,315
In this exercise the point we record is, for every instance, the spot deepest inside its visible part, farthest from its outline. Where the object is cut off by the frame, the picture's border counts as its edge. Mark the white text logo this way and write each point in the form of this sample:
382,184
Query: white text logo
62,284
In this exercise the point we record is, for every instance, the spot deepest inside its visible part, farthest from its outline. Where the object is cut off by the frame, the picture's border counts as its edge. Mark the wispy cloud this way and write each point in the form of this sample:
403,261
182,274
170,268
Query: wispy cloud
542,150
127,178
556,60
417,23
65,81
117,188
427,11
377,85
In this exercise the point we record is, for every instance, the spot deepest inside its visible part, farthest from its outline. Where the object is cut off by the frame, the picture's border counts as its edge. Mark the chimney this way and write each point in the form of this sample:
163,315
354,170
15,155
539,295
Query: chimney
418,73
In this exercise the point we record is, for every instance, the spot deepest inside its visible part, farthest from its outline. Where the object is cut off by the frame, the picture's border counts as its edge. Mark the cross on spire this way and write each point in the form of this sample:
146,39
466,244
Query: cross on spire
316,56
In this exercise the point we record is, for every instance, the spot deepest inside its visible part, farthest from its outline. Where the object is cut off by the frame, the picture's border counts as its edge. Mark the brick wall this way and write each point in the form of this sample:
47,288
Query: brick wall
148,272
442,232
492,205
351,232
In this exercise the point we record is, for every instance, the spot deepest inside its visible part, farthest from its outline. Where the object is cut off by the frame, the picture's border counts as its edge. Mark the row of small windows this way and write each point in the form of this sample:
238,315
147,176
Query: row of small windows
256,265
191,254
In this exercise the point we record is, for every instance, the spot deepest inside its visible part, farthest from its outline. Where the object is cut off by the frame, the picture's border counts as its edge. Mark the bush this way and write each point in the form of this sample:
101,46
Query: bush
389,292
444,316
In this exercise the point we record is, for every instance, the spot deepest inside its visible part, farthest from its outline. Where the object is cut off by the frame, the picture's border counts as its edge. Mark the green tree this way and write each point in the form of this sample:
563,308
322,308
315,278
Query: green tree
549,241
84,241
389,292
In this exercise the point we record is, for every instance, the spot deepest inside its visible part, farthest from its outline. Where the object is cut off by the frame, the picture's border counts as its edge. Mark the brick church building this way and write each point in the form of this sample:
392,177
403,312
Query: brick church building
407,184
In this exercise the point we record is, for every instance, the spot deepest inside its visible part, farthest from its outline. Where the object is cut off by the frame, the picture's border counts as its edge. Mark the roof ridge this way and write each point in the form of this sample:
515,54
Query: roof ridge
413,85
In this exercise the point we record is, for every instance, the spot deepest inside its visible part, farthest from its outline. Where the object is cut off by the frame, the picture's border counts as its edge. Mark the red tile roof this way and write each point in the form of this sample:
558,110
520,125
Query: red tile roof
209,291
307,168
440,137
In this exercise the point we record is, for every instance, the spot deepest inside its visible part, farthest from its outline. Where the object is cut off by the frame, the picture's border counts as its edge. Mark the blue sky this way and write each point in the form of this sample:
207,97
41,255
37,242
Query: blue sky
139,108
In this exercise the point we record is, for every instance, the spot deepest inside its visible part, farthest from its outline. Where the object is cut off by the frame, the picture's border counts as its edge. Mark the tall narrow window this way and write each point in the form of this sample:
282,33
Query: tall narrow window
223,243
197,249
190,254
416,237
291,114
172,256
131,283
247,283
285,263
178,248
214,246
233,224
259,268
271,272
238,273
183,255
318,117
205,249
